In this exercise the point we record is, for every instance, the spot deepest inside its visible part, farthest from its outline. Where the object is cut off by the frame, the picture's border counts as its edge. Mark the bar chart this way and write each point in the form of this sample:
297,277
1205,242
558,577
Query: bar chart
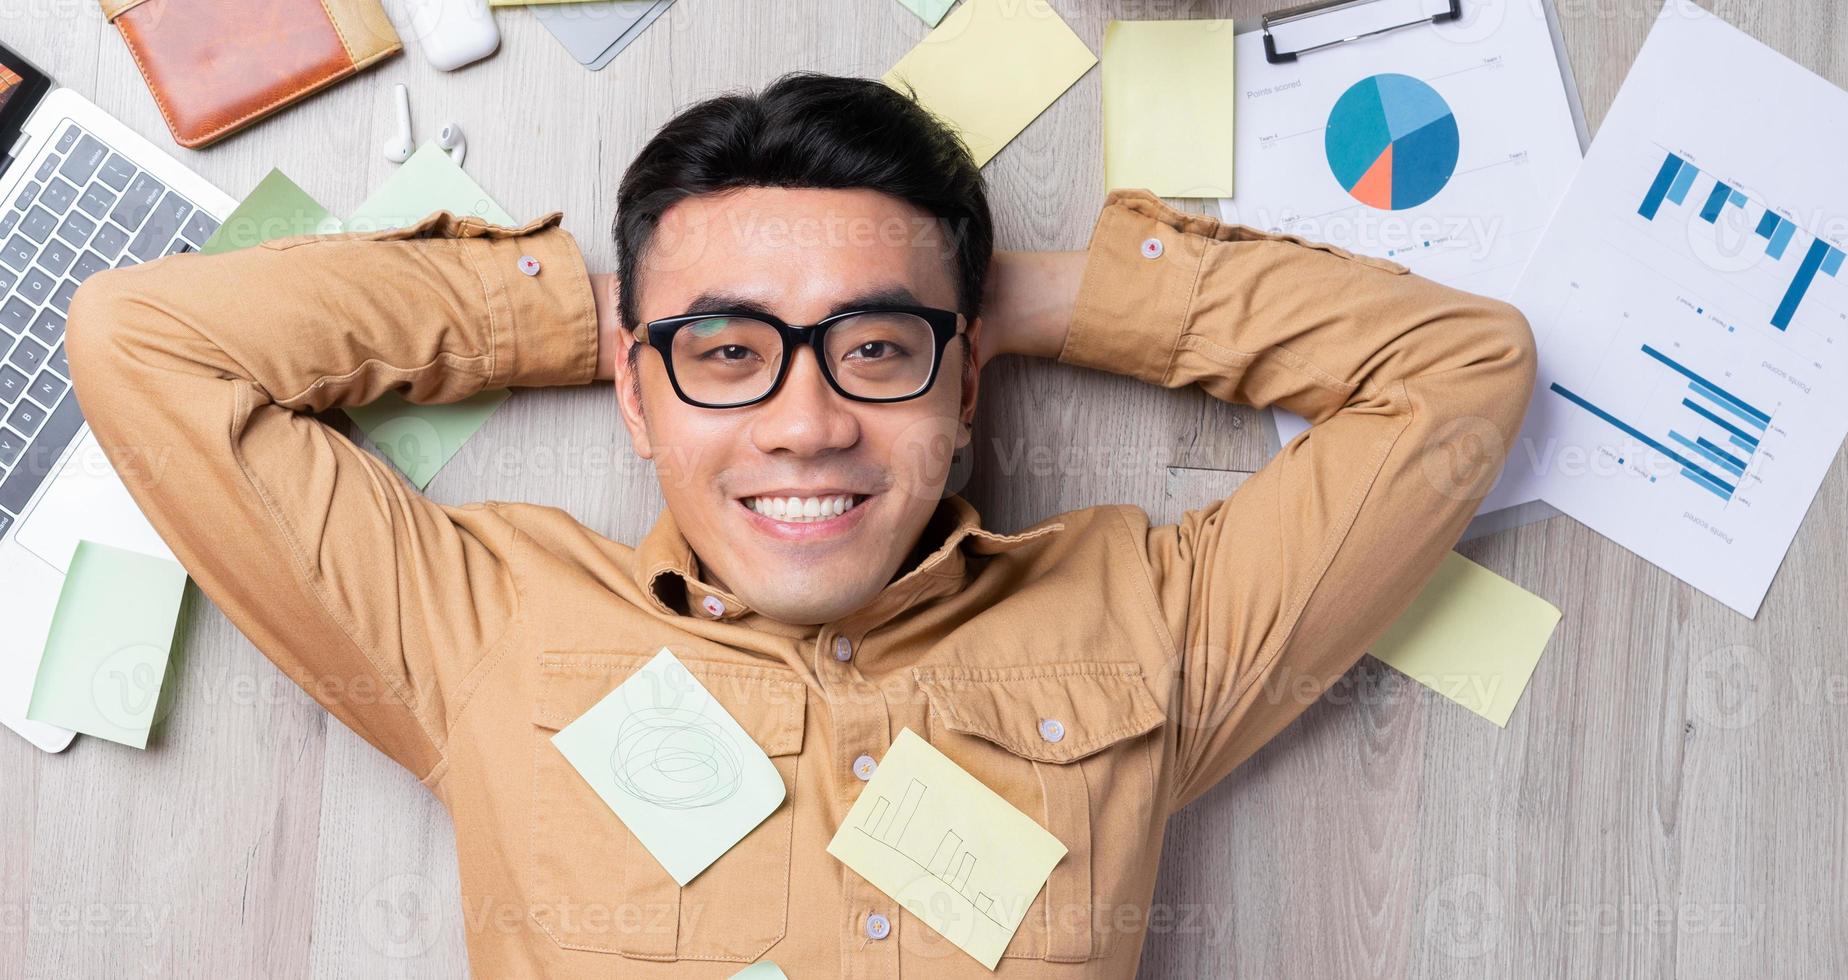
1677,176
951,861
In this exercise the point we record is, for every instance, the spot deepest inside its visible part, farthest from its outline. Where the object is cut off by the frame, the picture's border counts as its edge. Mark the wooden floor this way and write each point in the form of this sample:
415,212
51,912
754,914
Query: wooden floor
1666,802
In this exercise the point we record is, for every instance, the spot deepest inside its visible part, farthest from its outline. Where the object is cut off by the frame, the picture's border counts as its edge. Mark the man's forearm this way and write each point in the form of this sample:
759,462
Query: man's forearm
1029,302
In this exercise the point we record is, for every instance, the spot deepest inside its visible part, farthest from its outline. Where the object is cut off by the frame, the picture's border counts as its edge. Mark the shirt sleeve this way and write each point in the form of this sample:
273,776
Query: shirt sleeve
1415,392
198,375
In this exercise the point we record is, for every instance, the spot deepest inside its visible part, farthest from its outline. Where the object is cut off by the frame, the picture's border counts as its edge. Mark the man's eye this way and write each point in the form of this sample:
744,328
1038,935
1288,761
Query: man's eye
730,352
874,350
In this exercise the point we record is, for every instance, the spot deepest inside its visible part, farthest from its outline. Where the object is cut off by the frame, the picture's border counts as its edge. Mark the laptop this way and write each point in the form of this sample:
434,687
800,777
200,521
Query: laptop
79,192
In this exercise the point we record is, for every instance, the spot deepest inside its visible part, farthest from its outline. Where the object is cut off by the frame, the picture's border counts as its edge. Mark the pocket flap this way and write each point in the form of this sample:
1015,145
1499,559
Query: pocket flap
768,702
1059,713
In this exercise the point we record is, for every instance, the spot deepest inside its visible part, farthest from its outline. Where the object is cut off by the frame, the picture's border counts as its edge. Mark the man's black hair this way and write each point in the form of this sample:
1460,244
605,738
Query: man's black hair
807,130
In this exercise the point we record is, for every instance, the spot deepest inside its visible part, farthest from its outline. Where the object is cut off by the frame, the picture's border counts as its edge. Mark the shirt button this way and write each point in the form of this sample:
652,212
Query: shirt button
529,265
878,926
1052,729
843,649
714,606
864,767
1151,248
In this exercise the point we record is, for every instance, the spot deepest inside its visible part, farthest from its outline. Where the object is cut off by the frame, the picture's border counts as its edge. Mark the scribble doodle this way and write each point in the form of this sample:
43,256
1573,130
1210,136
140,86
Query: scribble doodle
675,758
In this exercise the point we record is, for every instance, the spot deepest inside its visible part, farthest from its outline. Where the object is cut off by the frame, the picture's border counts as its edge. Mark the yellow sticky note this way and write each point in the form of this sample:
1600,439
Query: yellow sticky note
1472,636
1169,94
991,68
947,848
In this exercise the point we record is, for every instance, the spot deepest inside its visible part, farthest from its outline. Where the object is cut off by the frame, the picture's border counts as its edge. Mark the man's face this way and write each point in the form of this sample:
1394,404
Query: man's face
803,255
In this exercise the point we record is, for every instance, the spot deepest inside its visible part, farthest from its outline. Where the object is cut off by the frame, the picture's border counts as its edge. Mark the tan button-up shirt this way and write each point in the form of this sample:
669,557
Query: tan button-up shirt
459,639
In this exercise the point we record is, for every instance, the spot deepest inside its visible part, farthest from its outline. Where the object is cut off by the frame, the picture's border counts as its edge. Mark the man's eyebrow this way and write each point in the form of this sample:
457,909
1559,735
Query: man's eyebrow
719,301
891,295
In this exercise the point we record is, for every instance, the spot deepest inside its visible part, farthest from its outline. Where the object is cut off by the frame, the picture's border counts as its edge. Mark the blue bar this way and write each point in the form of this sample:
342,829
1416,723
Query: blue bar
1778,241
1708,445
1702,480
1722,423
1665,176
1737,199
1741,443
1684,440
1716,390
1715,201
1768,224
1812,260
1833,262
1635,434
1678,191
1725,402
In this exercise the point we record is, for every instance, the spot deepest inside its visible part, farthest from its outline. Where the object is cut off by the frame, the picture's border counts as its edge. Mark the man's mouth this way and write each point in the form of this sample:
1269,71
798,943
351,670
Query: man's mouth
804,509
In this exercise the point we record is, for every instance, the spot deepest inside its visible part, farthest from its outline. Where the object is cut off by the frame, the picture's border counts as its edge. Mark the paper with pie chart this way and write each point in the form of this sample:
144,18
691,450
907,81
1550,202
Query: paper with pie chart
1443,147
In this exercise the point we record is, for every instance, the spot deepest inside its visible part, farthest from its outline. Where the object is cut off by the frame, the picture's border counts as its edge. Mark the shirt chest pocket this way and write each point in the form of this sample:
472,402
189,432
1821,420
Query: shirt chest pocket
1069,745
590,883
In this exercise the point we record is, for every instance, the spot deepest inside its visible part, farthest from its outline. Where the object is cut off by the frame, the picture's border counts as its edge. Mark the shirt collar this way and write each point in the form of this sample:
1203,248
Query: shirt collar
668,571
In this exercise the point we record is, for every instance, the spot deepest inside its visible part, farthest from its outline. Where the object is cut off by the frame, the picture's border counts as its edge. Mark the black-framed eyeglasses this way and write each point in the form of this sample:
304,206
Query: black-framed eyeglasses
725,359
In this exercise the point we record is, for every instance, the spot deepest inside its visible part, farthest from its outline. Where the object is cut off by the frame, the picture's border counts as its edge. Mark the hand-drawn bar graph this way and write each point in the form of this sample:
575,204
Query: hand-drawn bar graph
950,863
1671,184
1703,460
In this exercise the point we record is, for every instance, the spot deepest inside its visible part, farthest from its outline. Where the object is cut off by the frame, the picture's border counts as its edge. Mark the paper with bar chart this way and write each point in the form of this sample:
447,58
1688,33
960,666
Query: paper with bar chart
948,849
1441,147
1692,314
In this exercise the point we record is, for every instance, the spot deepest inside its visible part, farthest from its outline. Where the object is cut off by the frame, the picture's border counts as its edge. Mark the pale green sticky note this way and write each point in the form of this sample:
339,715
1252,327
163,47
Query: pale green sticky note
680,772
929,11
947,848
1169,94
421,439
275,208
761,970
105,657
1472,636
991,68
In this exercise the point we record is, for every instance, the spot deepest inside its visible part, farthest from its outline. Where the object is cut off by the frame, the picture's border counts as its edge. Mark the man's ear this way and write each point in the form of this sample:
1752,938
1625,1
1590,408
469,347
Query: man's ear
971,380
629,368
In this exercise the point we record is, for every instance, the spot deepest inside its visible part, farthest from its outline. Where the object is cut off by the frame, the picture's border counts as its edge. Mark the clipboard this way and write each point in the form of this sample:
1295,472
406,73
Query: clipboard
1299,42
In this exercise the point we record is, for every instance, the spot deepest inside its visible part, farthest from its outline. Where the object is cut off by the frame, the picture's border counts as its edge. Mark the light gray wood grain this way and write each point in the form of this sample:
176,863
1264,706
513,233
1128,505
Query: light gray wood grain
1664,803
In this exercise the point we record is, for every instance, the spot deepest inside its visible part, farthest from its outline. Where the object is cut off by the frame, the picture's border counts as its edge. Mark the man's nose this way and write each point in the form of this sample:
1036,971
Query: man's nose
806,416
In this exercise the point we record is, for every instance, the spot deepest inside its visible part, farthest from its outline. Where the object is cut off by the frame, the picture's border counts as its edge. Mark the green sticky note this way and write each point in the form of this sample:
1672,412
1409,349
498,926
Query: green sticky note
761,970
1472,636
929,11
276,208
105,658
1169,94
429,181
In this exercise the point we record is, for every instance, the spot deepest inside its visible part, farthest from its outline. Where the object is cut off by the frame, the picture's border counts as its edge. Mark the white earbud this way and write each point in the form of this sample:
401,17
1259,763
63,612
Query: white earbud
398,147
451,139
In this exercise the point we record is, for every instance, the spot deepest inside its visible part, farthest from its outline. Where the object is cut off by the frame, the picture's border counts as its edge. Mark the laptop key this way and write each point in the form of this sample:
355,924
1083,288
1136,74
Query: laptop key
49,327
56,257
15,316
109,241
47,167
164,222
39,224
61,300
59,363
17,253
96,201
47,388
200,228
69,139
11,445
58,196
27,195
27,356
37,286
8,223
26,417
12,385
84,160
87,265
7,279
137,202
117,172
76,229
60,429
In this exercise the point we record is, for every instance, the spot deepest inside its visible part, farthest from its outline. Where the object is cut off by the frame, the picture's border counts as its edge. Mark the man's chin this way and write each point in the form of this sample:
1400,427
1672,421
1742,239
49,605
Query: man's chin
806,603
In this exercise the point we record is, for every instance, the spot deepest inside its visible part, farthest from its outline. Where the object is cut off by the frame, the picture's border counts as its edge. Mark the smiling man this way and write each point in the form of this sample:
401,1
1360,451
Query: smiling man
807,293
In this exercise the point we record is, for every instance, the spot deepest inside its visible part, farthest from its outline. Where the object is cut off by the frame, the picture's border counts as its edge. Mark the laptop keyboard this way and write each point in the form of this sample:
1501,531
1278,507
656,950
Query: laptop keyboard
86,208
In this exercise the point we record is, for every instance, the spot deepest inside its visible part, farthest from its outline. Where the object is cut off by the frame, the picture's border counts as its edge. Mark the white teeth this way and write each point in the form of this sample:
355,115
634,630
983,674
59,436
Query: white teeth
801,510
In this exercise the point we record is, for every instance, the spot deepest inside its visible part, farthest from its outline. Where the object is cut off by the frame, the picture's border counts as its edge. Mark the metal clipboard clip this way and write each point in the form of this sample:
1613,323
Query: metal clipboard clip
1299,30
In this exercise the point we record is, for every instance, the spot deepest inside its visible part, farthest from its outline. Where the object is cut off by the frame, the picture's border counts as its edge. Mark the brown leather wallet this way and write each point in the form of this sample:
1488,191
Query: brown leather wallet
216,66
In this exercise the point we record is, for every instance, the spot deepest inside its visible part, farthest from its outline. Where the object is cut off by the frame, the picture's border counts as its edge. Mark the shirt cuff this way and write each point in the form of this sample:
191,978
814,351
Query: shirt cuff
543,316
1138,287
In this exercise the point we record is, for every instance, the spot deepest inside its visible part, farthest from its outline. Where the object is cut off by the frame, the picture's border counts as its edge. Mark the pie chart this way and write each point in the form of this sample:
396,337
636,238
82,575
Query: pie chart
1391,142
